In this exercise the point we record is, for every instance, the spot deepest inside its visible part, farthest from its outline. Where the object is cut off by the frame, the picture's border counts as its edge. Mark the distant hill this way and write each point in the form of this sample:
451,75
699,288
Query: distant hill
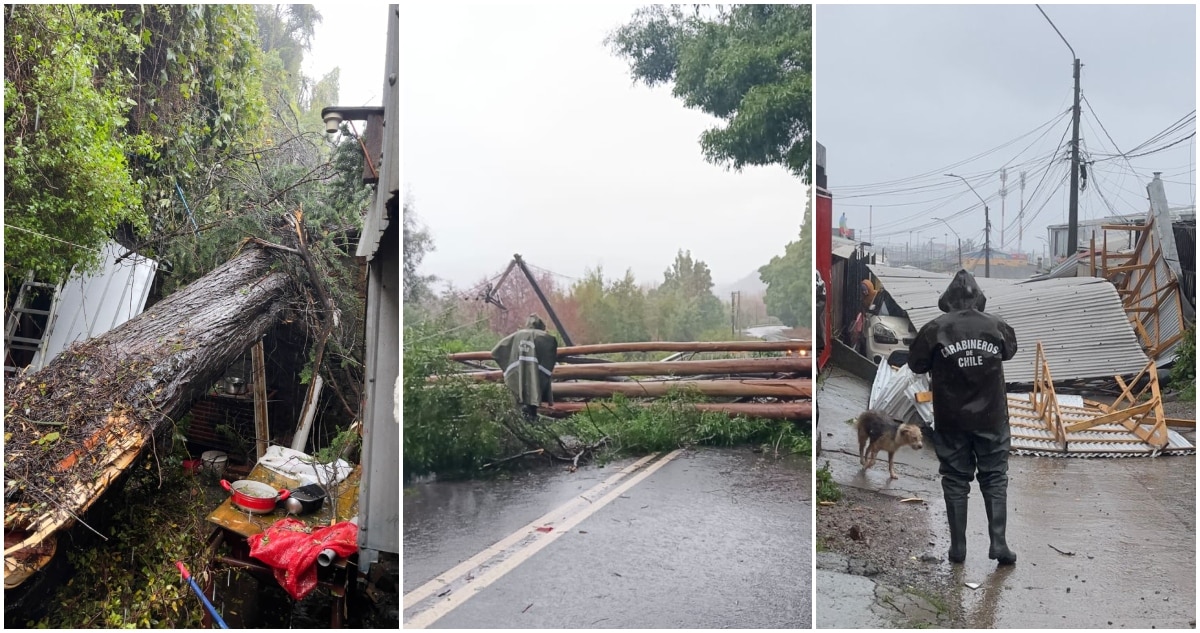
748,286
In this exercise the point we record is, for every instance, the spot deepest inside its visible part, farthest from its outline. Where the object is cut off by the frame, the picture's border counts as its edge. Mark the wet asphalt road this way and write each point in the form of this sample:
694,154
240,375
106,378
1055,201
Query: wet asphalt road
715,538
1129,526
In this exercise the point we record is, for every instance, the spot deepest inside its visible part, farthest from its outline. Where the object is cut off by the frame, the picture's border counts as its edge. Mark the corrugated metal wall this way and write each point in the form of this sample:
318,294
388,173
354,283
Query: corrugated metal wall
1080,321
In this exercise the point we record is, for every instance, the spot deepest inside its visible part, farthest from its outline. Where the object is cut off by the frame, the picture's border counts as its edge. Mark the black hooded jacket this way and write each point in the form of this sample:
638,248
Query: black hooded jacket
964,350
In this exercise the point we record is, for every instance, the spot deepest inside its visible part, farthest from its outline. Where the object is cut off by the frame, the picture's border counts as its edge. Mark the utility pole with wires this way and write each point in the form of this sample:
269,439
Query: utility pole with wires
1003,194
1073,204
1021,214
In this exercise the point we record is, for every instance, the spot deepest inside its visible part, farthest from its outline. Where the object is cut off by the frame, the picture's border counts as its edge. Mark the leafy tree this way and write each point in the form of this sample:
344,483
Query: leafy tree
611,312
789,279
684,305
67,184
417,244
749,65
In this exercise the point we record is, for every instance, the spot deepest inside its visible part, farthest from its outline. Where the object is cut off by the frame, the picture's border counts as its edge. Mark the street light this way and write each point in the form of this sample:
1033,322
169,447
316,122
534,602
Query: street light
987,228
956,236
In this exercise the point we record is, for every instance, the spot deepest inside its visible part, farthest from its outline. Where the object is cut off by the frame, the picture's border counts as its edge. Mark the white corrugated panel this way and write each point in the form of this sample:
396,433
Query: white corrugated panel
90,305
1079,320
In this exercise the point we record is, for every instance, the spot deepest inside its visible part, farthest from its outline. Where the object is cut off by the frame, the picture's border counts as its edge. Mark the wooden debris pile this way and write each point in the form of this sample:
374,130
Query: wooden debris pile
1046,423
778,386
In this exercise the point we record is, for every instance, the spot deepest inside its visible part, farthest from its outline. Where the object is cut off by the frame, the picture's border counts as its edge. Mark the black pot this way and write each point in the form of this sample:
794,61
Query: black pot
305,499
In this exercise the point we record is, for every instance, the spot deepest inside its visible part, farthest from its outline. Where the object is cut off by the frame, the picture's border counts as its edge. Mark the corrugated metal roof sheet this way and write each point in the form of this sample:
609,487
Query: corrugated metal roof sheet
1080,321
1167,321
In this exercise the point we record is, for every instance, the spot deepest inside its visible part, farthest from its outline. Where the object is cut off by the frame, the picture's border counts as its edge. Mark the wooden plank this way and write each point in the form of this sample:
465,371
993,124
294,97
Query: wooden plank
1109,418
771,410
665,346
261,427
781,364
790,388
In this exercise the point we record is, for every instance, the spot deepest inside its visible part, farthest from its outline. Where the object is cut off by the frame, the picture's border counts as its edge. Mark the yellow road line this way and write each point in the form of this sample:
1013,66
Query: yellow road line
440,609
433,586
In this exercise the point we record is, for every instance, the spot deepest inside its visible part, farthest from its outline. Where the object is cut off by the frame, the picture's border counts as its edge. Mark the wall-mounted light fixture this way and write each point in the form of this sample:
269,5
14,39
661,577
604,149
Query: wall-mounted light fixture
373,139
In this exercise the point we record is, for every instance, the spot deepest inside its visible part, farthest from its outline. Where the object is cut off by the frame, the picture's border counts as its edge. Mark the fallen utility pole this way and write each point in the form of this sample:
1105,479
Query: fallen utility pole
545,302
784,388
769,410
782,364
794,345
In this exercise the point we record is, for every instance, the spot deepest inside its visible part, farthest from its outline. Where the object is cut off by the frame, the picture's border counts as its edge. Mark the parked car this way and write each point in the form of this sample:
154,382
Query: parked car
888,328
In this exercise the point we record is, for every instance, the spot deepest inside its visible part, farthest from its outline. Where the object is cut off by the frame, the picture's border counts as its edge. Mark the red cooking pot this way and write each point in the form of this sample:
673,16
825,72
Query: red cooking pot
254,496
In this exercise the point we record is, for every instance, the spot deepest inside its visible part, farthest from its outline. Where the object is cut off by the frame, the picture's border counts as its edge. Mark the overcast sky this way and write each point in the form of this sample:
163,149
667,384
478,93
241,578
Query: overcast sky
354,41
523,134
903,91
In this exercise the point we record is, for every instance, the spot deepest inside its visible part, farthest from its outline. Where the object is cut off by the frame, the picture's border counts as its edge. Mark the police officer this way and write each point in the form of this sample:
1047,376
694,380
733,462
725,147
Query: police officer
963,350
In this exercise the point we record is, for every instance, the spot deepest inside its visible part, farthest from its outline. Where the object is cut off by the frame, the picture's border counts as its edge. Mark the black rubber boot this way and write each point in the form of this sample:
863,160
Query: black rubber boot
996,504
992,452
956,517
957,468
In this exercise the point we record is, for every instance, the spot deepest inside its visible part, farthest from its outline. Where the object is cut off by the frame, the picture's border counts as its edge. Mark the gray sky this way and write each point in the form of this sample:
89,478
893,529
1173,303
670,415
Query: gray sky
523,134
354,40
905,91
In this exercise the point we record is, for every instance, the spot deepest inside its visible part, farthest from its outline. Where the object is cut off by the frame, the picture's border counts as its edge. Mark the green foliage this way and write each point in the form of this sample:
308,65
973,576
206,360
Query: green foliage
452,426
65,173
789,280
130,580
417,244
827,488
749,65
611,312
672,422
684,306
1183,372
341,443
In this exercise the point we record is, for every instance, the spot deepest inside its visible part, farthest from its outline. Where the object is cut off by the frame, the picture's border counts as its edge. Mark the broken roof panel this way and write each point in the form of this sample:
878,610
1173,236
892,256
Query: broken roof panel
1080,321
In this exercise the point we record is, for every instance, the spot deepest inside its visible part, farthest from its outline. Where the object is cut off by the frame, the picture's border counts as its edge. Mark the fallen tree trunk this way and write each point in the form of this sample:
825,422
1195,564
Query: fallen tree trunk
790,388
770,410
76,424
783,364
664,346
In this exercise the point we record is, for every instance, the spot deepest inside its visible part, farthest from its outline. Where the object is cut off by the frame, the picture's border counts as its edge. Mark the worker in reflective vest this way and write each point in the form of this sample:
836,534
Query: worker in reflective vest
527,357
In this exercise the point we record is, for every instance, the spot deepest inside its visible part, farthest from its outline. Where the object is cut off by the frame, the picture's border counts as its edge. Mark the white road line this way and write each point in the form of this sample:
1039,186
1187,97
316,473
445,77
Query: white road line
437,584
440,609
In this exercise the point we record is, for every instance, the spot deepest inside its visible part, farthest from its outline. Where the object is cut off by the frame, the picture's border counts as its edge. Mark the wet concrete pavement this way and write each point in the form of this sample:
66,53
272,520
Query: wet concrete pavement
714,538
1104,543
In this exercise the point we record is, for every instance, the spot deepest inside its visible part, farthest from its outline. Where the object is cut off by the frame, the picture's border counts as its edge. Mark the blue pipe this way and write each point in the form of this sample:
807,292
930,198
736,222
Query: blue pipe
203,598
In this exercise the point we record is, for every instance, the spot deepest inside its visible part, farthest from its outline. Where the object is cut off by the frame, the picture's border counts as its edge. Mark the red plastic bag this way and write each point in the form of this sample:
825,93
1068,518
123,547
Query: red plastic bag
291,550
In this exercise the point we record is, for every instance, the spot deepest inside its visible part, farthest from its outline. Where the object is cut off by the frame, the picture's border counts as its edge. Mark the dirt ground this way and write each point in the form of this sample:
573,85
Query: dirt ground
890,541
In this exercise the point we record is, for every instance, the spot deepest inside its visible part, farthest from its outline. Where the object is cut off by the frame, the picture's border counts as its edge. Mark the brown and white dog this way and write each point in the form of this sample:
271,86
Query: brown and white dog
877,432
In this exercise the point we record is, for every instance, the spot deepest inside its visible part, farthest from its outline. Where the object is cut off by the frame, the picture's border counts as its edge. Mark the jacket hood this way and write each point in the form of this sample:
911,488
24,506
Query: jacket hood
534,323
962,294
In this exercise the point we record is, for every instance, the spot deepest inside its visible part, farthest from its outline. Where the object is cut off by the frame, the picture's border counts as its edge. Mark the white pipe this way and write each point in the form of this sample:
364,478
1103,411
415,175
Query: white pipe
310,412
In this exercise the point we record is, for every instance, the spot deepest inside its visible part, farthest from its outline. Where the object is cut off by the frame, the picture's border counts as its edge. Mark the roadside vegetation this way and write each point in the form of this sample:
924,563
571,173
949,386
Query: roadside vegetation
827,488
1183,373
456,427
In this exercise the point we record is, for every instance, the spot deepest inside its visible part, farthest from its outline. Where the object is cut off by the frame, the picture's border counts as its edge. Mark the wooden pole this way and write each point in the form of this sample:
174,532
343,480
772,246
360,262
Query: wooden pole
261,428
664,346
782,364
771,410
791,388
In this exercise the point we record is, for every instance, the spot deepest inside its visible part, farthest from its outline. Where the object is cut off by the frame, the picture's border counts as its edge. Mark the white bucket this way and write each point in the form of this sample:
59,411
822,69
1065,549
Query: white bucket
214,463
